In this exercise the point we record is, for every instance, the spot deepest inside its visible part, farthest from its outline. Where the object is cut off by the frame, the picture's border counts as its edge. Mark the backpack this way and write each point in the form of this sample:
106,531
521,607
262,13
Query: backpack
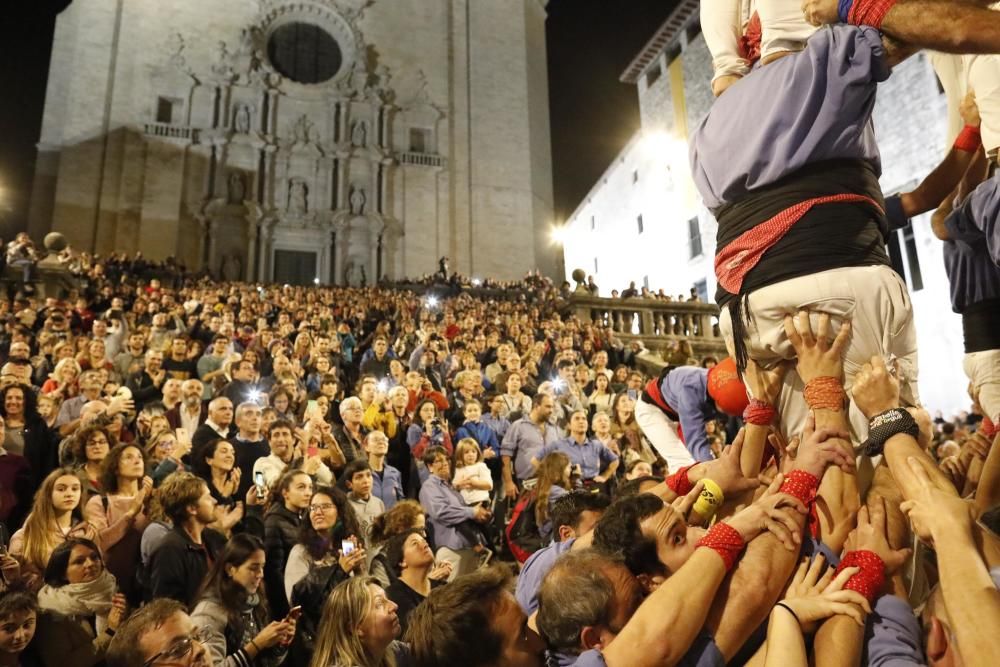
522,534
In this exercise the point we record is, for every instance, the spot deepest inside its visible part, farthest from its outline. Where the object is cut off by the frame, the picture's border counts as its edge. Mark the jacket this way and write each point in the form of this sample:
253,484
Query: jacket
178,566
481,433
212,620
281,532
310,593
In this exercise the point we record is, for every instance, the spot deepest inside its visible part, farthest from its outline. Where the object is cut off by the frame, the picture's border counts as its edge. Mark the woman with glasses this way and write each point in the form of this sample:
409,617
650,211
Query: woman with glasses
359,627
331,521
90,448
231,612
120,513
80,609
331,546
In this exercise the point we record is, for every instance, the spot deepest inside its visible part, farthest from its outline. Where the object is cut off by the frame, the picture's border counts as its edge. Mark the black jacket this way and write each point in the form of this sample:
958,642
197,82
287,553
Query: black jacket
281,532
310,593
178,566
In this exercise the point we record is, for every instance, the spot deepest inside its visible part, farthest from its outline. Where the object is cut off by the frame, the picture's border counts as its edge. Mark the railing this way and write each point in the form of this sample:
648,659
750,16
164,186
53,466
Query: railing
420,159
656,323
168,131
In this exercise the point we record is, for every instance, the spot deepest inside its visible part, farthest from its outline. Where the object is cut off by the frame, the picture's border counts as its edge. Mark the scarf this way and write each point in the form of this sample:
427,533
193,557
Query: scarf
89,598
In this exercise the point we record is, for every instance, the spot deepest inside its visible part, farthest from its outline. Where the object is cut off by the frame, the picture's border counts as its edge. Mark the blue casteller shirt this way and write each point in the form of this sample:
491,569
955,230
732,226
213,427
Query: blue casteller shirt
481,433
972,255
592,456
685,389
529,580
809,107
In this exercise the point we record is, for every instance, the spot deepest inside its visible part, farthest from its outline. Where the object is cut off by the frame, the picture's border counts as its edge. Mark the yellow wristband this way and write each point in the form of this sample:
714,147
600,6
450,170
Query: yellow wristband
710,499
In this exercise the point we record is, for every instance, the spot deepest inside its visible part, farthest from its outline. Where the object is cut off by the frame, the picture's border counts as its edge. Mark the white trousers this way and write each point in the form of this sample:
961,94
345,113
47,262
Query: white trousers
661,432
983,371
874,298
462,562
783,28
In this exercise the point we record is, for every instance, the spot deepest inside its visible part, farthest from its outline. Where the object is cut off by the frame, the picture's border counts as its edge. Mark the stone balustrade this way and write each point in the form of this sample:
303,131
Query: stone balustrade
656,323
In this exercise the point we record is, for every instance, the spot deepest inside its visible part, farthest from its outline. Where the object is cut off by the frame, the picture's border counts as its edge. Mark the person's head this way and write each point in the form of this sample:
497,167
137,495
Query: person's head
48,406
185,498
178,349
436,460
358,478
472,410
161,446
404,515
541,407
576,513
380,345
367,390
496,404
220,411
281,438
622,409
601,383
637,469
331,519
18,615
376,444
351,410
191,392
585,601
159,634
474,621
154,361
726,388
513,384
124,463
248,420
578,423
216,455
244,371
651,536
18,401
601,424
75,561
555,469
237,573
92,444
293,490
358,624
426,412
467,453
409,550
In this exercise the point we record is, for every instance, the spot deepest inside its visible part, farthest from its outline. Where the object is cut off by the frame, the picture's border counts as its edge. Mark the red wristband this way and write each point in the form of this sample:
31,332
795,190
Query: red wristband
988,428
869,579
802,485
969,139
725,541
679,482
869,12
759,413
824,393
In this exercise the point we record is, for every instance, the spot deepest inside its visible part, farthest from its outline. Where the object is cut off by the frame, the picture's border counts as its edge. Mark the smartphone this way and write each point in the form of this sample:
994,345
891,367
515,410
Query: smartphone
312,408
347,547
258,480
182,434
294,613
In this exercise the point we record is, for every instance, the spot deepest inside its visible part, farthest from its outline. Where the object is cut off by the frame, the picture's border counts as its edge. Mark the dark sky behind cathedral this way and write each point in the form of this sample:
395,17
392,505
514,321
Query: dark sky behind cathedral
593,115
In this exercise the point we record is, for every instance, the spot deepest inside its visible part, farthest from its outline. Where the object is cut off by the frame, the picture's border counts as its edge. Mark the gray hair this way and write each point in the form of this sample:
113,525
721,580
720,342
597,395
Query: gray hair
575,593
348,403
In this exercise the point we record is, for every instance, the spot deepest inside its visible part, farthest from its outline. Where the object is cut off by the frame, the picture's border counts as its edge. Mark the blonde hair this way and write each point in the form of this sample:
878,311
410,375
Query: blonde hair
464,444
38,542
338,641
56,373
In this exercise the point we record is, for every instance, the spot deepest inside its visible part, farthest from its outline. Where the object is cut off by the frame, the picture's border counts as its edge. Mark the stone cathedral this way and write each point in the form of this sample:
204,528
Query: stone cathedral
342,141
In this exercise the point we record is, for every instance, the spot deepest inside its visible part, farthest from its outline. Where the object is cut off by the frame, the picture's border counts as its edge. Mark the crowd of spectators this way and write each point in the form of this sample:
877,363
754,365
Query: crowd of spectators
226,473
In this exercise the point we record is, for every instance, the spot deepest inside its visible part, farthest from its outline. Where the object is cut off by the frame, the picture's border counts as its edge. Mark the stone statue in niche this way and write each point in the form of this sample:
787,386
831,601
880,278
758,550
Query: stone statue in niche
302,131
223,61
241,119
358,200
232,267
235,188
359,133
298,197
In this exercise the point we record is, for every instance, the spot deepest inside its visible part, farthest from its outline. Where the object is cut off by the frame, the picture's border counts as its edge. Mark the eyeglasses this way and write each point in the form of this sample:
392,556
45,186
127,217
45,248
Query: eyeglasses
322,507
176,651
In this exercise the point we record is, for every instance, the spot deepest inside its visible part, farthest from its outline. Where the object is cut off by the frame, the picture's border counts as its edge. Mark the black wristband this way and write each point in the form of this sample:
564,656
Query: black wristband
886,424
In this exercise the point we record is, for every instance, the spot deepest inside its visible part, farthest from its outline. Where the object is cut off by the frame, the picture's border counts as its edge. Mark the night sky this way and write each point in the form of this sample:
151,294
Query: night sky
593,114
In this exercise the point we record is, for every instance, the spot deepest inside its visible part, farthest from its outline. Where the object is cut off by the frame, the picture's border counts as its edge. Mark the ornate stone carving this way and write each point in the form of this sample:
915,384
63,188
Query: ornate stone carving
358,200
298,197
235,188
359,134
242,118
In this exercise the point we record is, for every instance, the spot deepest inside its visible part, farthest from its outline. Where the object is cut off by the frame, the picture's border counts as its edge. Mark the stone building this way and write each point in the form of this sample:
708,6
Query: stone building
299,140
643,220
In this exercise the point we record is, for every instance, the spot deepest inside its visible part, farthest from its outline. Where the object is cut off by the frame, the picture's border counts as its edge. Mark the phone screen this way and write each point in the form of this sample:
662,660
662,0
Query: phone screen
347,547
259,479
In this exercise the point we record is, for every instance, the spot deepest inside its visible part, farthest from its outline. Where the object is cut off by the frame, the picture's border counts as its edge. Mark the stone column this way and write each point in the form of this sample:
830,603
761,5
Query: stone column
213,227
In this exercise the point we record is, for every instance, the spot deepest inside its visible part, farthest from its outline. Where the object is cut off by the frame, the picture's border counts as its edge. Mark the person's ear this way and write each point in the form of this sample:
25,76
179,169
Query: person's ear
937,640
566,532
590,638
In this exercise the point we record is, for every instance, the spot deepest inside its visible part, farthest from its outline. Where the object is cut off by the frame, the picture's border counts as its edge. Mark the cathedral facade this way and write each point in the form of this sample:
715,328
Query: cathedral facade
336,141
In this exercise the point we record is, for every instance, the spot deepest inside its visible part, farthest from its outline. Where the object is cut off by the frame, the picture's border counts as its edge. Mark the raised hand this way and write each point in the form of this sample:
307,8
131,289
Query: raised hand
817,450
932,511
765,384
812,597
818,354
870,535
875,388
775,512
441,571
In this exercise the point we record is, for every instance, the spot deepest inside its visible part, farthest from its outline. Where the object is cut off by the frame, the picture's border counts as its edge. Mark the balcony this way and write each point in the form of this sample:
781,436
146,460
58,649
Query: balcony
170,131
420,159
